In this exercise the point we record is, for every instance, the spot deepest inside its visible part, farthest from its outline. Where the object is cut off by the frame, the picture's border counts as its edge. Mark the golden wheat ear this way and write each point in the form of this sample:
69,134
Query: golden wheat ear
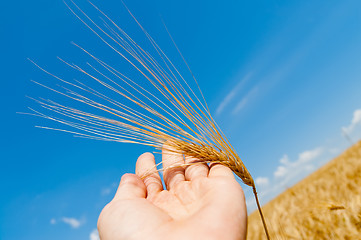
154,106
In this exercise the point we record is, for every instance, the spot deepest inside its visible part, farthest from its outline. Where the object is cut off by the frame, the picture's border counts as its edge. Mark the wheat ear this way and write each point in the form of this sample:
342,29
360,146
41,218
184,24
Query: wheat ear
165,110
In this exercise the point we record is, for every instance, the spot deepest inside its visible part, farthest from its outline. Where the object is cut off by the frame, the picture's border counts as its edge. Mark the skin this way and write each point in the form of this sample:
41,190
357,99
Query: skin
199,202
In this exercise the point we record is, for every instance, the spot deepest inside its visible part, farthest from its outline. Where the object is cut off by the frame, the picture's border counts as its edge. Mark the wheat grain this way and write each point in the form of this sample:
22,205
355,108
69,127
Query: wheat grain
166,110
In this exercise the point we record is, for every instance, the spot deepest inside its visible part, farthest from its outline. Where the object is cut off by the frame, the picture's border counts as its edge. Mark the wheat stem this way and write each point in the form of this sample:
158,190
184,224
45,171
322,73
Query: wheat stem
260,212
166,109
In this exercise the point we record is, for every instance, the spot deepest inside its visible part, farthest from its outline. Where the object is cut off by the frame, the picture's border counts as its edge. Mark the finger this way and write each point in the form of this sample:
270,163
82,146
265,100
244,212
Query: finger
173,167
146,168
131,186
196,169
219,170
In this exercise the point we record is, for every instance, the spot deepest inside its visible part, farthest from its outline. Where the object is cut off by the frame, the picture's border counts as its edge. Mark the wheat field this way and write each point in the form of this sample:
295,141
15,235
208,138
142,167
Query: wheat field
325,205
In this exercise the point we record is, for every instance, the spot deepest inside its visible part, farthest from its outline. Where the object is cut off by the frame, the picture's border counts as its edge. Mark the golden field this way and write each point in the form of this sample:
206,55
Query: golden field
325,205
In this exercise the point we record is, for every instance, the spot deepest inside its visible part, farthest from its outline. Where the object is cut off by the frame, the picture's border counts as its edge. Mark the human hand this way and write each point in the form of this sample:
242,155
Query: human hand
199,202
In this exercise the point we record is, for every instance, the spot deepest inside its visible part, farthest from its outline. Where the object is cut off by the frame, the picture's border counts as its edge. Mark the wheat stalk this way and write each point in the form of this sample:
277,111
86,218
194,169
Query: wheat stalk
166,110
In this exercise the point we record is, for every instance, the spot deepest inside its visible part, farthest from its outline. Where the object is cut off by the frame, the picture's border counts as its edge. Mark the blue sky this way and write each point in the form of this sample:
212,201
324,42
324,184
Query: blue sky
282,79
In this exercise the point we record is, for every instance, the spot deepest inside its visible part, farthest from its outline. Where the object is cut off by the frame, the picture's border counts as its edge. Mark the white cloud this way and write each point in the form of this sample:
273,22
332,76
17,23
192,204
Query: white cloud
356,120
106,191
245,100
73,222
290,169
109,189
262,181
251,204
94,235
309,168
232,93
334,150
286,175
281,171
285,159
307,156
52,221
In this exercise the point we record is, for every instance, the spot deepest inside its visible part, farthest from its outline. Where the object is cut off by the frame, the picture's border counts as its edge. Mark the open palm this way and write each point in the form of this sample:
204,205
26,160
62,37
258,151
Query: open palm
199,202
